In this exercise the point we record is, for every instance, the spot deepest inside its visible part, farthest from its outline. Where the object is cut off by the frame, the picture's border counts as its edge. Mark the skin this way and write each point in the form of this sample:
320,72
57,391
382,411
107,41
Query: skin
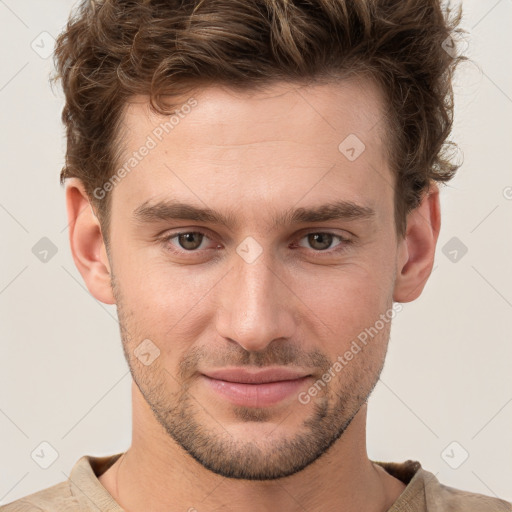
299,304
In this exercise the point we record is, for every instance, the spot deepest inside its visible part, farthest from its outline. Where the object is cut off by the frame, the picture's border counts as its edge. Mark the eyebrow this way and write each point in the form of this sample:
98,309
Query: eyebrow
171,210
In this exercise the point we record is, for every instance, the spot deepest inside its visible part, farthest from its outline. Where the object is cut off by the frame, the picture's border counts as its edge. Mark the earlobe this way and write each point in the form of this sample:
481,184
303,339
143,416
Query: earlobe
86,241
417,250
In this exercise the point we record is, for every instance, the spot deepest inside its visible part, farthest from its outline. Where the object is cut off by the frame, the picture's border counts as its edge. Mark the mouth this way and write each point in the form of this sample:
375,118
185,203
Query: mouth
255,389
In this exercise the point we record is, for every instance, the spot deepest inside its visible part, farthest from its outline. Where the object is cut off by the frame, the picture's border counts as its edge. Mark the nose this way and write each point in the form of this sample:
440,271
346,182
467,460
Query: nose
255,304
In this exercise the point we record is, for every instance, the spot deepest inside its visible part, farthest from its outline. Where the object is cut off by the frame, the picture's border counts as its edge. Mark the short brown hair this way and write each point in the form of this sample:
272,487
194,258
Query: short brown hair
112,50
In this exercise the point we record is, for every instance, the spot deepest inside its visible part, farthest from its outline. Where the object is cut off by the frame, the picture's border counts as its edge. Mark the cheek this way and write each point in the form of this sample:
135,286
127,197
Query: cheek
166,302
348,298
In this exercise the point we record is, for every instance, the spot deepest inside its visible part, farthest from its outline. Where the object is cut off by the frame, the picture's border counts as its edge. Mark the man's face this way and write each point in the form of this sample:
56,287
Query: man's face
265,290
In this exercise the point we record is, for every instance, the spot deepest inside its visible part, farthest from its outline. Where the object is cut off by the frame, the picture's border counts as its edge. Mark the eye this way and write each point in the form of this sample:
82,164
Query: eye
189,241
323,241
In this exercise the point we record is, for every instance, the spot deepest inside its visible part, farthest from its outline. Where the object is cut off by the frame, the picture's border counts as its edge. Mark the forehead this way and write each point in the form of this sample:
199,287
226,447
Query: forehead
357,104
258,147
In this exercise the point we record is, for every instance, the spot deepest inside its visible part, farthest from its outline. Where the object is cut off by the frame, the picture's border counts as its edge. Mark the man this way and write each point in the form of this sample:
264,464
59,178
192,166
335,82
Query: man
254,185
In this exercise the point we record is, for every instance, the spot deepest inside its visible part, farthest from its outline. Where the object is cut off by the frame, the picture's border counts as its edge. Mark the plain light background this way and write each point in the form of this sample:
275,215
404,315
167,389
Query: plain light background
446,389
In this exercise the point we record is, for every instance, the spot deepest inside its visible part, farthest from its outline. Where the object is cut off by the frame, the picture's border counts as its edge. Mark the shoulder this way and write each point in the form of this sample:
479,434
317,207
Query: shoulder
449,499
424,492
80,492
57,498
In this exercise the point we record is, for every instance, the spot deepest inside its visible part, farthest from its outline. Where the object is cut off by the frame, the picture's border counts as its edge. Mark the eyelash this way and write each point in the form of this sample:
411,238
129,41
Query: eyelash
341,247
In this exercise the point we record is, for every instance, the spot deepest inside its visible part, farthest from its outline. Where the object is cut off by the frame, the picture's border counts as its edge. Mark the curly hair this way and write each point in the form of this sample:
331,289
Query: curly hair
111,50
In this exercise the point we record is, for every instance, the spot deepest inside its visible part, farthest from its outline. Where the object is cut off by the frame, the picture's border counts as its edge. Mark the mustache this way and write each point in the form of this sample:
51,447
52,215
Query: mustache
277,353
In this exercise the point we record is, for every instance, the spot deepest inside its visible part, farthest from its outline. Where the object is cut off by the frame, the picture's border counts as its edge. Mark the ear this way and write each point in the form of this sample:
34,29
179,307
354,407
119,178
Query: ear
416,250
86,240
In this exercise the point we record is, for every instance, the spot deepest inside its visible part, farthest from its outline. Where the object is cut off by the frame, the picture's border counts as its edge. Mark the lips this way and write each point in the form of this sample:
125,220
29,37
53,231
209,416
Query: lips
256,388
244,376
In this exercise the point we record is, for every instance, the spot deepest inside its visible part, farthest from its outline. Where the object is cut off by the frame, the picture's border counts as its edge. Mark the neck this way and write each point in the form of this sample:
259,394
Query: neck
157,474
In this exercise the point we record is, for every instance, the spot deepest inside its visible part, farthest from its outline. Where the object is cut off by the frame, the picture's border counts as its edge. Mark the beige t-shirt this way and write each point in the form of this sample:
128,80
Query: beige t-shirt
83,492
